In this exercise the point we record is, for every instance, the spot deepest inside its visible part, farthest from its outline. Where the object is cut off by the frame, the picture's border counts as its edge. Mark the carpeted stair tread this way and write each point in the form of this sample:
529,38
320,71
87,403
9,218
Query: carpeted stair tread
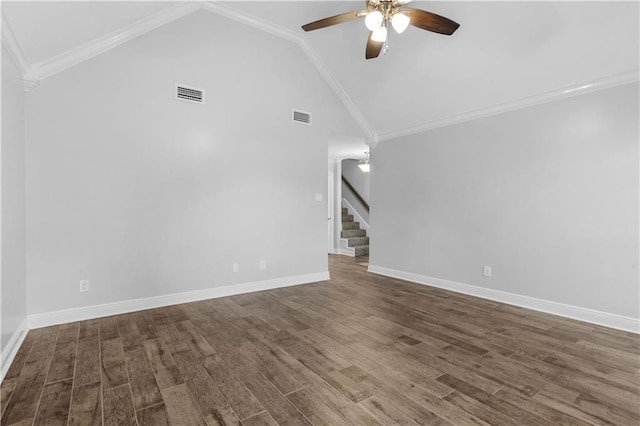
358,241
350,225
350,233
347,218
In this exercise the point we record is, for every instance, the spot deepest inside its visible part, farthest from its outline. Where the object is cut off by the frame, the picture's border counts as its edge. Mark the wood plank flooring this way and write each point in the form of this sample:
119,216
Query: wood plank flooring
361,349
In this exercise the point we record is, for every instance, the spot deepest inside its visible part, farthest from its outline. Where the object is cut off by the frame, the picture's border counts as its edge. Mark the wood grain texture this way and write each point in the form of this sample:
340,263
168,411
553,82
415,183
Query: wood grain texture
87,362
360,349
155,415
129,333
108,328
164,367
181,407
118,406
241,400
23,353
144,388
262,419
89,329
212,403
63,362
54,404
114,372
23,403
86,405
6,390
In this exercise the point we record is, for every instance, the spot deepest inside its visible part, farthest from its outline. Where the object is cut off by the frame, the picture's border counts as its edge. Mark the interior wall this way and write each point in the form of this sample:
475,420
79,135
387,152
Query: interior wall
13,269
144,195
360,181
336,167
357,178
547,196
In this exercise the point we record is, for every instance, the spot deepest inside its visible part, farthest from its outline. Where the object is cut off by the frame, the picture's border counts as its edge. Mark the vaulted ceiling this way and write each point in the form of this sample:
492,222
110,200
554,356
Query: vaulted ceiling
504,55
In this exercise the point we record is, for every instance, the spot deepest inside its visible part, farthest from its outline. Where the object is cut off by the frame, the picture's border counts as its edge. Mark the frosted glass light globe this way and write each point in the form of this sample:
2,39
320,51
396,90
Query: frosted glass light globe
400,22
373,20
380,34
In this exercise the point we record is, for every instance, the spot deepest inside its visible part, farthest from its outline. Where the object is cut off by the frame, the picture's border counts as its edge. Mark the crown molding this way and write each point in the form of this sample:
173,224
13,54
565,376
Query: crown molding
554,95
253,21
373,142
269,27
95,47
31,78
32,74
338,90
15,52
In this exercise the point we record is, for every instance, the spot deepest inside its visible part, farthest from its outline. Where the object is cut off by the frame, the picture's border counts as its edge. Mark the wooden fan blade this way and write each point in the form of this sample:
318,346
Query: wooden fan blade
430,21
373,47
333,20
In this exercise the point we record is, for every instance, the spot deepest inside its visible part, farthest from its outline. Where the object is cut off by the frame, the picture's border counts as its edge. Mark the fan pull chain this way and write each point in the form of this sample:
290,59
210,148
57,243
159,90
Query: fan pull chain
385,46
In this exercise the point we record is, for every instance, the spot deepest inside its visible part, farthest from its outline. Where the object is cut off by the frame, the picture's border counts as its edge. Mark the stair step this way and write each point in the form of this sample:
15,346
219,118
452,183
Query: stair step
361,250
345,210
347,218
350,225
358,241
350,233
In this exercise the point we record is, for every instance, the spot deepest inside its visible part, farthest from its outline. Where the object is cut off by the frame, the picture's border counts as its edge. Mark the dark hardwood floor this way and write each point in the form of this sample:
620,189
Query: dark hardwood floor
361,349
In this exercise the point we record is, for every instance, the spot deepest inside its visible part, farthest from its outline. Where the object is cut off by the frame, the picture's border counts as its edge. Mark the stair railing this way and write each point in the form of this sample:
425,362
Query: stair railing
358,196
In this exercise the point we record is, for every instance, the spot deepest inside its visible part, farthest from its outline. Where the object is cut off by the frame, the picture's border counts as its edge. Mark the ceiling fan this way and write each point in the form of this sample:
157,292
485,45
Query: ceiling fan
379,14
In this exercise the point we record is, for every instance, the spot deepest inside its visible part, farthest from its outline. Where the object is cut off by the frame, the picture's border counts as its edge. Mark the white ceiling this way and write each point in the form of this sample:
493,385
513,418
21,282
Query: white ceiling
46,29
504,52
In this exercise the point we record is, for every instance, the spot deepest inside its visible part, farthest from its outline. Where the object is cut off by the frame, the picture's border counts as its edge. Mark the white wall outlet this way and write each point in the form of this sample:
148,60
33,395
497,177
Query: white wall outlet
487,271
263,264
84,285
236,267
318,196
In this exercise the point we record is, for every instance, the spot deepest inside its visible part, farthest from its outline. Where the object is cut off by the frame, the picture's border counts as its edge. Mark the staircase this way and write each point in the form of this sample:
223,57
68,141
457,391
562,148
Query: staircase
357,241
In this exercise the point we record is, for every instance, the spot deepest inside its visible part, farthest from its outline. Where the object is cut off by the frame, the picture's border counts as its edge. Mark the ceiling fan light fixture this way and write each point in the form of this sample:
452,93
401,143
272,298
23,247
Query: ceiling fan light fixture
400,22
373,20
380,34
364,164
379,15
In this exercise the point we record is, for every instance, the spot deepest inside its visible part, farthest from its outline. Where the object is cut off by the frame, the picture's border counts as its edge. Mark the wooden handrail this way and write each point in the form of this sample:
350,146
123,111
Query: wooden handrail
358,196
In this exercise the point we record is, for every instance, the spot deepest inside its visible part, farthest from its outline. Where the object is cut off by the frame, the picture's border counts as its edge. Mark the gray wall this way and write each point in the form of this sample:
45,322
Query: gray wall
13,277
360,181
145,195
547,196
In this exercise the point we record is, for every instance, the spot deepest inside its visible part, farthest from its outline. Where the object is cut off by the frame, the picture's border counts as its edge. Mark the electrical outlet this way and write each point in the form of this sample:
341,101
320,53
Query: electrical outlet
318,196
236,267
84,285
487,271
263,264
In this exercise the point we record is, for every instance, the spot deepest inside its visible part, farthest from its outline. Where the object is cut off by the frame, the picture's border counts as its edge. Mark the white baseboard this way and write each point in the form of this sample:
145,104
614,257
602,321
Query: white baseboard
12,348
347,252
605,319
97,311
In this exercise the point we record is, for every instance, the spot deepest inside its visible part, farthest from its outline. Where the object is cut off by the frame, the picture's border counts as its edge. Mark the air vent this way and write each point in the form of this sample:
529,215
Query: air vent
302,117
190,94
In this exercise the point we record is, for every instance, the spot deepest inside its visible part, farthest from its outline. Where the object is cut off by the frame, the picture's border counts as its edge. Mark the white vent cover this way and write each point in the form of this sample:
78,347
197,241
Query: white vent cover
302,117
190,94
